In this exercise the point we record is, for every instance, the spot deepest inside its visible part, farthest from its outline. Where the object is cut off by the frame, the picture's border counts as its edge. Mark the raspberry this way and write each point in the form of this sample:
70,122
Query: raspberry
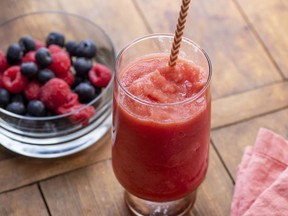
32,90
3,62
71,100
29,57
1,83
54,93
68,78
38,44
82,116
55,49
13,80
60,63
100,75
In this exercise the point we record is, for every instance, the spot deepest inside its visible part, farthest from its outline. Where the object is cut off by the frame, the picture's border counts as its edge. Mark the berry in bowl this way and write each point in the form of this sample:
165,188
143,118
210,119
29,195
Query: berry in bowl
56,74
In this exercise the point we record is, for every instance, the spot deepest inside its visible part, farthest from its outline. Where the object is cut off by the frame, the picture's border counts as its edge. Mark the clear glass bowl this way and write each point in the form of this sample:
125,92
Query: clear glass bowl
56,136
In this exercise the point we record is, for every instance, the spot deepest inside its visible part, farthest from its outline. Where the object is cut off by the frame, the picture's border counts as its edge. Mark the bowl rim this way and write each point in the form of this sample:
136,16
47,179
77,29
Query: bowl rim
98,98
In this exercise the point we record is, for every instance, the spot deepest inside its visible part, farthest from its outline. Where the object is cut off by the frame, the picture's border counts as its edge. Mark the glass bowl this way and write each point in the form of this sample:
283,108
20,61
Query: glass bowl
56,136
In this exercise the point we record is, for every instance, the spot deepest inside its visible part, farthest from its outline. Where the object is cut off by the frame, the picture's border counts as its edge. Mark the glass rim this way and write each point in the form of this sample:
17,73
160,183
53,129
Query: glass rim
67,14
171,36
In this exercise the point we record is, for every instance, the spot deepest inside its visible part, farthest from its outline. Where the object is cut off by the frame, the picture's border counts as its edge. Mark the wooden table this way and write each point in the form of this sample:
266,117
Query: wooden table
247,43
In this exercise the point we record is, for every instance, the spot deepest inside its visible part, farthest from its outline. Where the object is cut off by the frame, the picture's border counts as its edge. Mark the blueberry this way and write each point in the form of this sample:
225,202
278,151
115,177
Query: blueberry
97,90
18,98
14,54
82,66
71,47
45,75
36,108
16,107
29,69
77,81
86,48
86,92
43,57
27,44
4,97
55,38
80,79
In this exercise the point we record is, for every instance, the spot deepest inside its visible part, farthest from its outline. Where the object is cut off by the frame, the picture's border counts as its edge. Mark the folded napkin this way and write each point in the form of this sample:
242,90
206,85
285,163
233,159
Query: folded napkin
261,187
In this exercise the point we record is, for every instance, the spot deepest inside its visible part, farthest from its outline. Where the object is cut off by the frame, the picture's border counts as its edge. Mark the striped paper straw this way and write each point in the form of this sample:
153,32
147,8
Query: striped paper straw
179,32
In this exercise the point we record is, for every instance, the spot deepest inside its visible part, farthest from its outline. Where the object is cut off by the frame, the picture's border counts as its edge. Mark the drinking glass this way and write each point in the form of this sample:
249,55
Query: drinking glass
160,150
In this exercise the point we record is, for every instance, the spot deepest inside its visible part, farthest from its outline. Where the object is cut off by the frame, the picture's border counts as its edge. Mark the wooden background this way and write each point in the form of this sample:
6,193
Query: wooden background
247,43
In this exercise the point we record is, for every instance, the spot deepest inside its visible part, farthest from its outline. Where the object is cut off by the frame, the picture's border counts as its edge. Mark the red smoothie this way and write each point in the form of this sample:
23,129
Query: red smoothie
161,140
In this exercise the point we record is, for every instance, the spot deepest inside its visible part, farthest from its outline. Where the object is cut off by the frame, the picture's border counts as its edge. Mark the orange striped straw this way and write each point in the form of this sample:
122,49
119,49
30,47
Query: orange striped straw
179,32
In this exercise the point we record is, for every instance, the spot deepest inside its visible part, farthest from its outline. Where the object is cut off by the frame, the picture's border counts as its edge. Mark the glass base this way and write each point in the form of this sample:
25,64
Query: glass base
141,207
60,147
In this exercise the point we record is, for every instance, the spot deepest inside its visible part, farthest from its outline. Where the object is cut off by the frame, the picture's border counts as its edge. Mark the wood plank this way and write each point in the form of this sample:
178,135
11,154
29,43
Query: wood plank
24,201
95,191
89,191
6,154
19,171
270,20
239,61
229,110
119,19
231,141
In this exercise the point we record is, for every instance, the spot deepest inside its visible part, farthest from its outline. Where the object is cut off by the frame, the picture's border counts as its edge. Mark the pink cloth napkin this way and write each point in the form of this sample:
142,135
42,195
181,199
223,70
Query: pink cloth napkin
261,187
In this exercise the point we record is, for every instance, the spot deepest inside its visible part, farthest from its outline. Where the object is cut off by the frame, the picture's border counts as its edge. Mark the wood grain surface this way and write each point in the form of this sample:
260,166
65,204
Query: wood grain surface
24,201
238,59
269,19
247,43
19,171
231,149
246,105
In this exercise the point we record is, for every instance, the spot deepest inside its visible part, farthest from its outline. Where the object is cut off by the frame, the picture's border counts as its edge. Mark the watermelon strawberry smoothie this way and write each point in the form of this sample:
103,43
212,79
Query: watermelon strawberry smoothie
161,127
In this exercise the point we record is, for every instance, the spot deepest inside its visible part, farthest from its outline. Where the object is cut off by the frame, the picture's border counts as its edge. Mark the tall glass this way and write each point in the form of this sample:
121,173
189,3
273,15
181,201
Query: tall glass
160,142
